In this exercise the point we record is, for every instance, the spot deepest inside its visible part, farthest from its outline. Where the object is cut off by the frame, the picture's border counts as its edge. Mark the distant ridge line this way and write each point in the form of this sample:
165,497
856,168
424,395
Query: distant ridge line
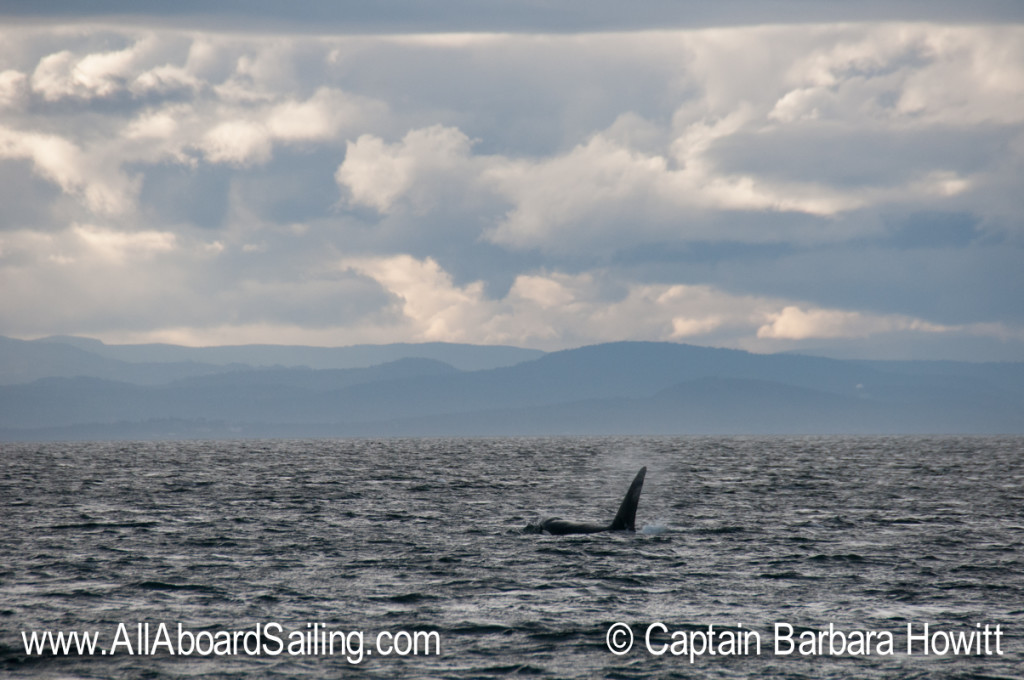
612,388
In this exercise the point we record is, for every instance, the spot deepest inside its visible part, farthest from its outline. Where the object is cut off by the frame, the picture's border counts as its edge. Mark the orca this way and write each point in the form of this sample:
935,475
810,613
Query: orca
625,519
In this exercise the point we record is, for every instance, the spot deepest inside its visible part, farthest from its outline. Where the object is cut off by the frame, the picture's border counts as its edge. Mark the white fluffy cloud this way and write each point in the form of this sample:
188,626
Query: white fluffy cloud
13,88
239,142
248,135
378,174
795,323
571,200
96,180
545,190
539,307
189,98
668,182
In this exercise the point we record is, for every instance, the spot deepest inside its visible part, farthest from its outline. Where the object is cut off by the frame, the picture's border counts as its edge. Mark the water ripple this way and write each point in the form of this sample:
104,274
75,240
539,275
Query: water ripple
864,533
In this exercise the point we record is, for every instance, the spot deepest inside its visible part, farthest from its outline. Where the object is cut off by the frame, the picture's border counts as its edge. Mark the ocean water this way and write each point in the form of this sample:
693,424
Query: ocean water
267,545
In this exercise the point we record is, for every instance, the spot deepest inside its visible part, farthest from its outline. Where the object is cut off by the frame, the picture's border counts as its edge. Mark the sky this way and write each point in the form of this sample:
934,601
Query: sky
786,176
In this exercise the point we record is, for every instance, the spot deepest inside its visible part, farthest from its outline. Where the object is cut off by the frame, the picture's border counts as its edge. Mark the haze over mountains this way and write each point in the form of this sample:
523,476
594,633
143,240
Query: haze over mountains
70,356
77,388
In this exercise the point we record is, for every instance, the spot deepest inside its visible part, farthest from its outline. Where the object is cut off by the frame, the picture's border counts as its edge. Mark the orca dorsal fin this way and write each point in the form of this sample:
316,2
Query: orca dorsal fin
625,519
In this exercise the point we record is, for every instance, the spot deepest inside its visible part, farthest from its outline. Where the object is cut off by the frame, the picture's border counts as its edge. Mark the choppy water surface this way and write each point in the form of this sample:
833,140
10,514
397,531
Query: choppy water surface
863,533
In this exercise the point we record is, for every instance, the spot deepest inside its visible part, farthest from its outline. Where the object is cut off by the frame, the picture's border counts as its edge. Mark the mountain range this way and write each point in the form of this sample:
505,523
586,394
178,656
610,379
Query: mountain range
75,388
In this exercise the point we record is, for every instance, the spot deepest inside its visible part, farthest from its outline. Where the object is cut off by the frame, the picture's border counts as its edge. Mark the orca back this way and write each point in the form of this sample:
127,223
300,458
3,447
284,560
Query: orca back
561,527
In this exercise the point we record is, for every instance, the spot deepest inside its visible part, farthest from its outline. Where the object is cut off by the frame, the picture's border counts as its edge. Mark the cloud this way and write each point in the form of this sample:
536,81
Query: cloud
322,116
762,186
176,114
601,185
975,76
58,75
97,75
89,276
794,323
577,198
823,93
249,134
539,306
174,286
431,304
103,189
238,142
153,125
13,88
91,248
118,246
377,174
